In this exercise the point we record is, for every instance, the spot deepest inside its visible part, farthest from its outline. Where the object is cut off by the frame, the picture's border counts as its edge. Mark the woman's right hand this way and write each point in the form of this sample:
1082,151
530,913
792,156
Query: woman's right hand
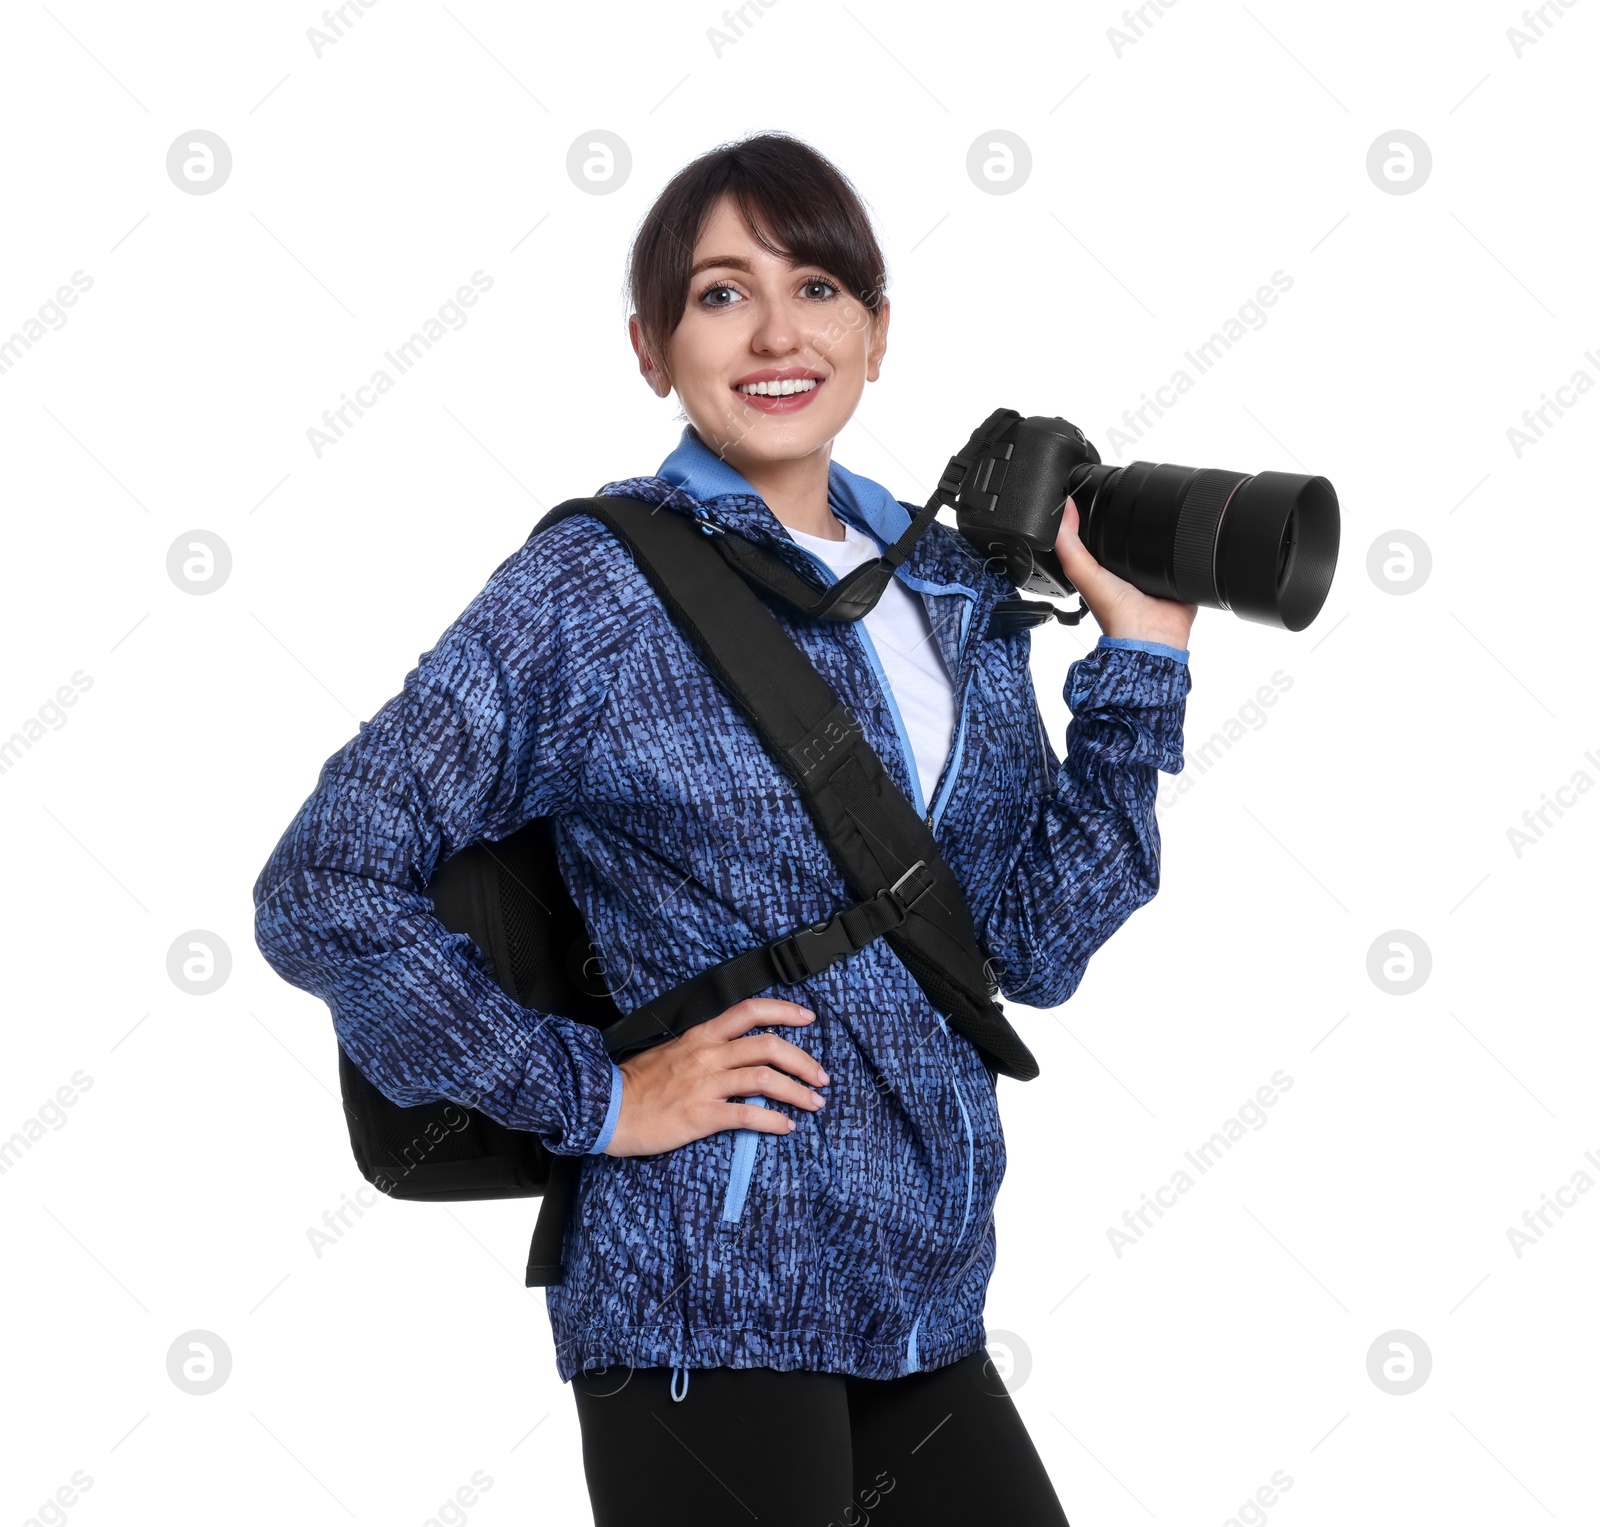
679,1091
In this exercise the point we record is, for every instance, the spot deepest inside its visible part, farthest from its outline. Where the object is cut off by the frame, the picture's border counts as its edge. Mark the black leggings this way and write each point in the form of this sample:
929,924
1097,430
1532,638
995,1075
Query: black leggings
809,1449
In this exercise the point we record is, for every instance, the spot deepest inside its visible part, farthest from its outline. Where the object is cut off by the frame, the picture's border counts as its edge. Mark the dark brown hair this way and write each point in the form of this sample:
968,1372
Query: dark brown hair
795,202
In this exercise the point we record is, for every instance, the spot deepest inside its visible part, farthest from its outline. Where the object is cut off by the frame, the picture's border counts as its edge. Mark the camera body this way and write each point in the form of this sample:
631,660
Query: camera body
1026,468
1263,545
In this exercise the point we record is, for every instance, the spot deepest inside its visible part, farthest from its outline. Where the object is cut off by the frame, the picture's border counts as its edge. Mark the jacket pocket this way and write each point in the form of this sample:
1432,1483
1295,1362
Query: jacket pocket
745,1144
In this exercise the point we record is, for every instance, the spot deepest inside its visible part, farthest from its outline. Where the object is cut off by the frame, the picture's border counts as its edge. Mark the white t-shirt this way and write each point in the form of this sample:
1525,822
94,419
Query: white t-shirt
898,628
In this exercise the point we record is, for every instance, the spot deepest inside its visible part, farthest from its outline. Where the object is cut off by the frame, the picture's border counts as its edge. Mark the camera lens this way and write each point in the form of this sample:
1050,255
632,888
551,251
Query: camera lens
1263,546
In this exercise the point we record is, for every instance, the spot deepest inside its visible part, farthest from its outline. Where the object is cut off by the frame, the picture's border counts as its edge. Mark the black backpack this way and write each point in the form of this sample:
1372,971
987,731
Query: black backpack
508,896
510,899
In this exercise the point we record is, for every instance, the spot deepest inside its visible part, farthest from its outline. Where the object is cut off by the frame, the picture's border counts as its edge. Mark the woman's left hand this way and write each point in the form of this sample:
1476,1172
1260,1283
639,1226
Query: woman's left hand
1120,608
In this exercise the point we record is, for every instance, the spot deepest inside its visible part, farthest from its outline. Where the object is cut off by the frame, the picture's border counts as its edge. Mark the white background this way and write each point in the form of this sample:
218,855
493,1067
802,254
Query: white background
1168,182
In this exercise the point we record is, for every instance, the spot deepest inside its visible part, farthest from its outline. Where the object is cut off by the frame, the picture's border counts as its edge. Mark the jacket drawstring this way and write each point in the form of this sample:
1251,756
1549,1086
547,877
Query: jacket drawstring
676,1371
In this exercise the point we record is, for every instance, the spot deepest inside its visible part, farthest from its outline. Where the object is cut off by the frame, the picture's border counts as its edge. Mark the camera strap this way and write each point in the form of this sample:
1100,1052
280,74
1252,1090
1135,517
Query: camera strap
861,588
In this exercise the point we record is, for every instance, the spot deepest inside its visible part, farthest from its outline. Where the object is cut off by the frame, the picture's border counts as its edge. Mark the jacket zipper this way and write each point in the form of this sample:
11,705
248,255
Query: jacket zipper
943,788
739,1178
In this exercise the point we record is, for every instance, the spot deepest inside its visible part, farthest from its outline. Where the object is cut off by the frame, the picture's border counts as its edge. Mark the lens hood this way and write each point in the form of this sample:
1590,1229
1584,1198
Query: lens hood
1276,548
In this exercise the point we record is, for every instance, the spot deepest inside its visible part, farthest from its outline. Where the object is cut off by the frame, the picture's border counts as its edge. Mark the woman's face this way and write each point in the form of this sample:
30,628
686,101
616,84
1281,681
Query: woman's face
754,321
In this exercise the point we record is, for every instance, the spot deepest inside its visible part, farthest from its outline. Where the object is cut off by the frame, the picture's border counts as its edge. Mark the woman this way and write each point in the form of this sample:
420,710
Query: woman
783,1232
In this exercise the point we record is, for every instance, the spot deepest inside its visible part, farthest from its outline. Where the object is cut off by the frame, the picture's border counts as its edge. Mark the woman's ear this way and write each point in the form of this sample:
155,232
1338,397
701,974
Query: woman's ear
878,341
654,374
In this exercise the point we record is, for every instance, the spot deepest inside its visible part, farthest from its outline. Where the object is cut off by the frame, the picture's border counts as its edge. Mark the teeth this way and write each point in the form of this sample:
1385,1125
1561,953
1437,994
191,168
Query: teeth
779,389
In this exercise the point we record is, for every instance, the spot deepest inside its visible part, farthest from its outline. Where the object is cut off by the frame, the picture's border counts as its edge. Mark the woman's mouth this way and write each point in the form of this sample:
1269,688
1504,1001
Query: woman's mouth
778,395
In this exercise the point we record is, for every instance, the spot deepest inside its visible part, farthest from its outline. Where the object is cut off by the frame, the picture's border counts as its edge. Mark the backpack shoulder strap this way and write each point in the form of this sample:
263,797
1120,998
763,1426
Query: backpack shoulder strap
882,847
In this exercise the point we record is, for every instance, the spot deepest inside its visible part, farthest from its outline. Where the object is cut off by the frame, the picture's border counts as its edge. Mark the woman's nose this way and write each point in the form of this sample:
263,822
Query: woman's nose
778,333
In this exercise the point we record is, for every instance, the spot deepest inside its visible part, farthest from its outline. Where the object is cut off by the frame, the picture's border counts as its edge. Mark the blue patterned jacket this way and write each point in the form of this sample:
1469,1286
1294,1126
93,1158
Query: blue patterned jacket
862,1242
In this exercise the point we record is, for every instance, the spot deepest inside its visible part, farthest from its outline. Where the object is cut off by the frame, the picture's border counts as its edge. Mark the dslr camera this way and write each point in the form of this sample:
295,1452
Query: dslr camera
1261,545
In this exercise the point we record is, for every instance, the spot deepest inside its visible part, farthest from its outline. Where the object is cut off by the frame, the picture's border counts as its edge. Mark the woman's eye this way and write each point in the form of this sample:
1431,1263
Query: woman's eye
724,296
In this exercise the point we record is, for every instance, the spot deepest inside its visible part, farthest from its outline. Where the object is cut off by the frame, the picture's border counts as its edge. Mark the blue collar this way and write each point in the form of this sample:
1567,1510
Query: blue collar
704,475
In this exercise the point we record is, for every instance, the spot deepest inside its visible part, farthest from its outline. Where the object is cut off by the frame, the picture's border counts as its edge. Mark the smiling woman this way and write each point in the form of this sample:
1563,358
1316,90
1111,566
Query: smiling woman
758,289
782,1230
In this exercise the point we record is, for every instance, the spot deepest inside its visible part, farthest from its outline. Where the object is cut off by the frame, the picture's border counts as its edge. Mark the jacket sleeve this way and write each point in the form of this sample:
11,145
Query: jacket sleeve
1091,854
488,731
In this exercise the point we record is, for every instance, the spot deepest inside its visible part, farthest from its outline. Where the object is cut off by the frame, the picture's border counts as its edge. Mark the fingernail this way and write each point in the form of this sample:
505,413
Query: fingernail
825,1077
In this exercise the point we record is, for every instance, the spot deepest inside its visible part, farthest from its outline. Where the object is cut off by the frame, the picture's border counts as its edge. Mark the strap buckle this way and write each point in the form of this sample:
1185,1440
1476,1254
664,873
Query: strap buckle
811,950
902,901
